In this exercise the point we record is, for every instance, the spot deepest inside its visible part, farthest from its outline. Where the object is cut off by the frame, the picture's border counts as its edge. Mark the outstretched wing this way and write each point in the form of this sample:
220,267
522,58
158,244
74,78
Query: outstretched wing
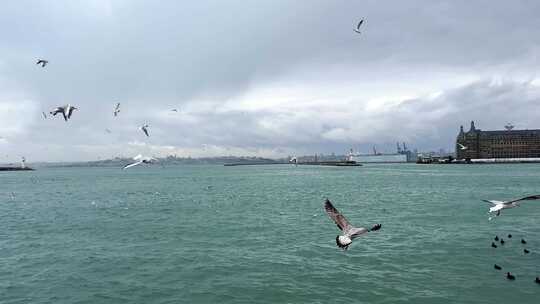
338,218
492,202
359,24
131,165
356,232
527,198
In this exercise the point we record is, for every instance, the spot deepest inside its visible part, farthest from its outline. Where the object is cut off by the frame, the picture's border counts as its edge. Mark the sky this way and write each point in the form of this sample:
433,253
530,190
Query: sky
267,78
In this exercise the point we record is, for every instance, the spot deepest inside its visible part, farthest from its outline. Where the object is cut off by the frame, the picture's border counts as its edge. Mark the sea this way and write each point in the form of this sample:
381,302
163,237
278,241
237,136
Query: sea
259,234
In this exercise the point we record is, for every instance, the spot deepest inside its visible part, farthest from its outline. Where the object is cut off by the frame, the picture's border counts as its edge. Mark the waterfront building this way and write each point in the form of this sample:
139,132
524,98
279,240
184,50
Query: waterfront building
508,143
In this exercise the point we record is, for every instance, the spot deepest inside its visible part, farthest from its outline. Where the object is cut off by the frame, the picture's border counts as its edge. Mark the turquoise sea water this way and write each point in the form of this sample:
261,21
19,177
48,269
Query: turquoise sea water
259,234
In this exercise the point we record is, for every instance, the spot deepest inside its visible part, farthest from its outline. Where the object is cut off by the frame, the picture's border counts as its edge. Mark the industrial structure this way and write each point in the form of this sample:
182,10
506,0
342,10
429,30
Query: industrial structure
499,144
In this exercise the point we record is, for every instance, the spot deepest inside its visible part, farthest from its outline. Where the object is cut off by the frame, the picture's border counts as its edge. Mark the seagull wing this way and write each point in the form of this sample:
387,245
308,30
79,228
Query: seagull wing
71,111
493,202
132,165
356,232
338,218
359,24
145,131
527,198
64,114
137,157
44,115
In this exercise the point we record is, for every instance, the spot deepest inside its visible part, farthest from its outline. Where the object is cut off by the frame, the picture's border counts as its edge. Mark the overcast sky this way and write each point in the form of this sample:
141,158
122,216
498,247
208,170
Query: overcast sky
263,78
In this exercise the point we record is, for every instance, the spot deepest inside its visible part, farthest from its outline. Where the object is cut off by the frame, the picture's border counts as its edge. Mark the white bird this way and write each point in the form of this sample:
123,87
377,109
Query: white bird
357,29
497,206
116,109
144,128
349,232
462,147
294,160
42,62
66,111
140,160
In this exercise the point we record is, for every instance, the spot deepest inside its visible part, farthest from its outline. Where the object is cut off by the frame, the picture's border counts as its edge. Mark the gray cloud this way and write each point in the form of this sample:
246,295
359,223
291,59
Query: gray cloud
261,77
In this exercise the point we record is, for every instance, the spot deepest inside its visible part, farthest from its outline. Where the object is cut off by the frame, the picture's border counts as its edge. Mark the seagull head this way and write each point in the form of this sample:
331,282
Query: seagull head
343,241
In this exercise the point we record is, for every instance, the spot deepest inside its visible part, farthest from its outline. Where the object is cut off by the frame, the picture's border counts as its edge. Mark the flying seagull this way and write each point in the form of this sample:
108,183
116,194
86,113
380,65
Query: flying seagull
140,160
499,205
293,160
357,29
42,62
66,111
349,232
144,128
117,109
462,147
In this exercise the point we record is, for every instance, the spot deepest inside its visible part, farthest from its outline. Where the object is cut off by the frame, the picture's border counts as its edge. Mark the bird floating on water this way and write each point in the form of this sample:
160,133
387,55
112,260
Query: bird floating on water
499,205
525,251
357,29
66,111
537,280
493,245
496,238
42,62
502,242
144,128
509,236
116,109
523,241
497,267
140,160
349,232
510,276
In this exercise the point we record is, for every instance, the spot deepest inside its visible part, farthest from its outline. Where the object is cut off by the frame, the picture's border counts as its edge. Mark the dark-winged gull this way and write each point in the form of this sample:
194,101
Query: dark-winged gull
116,109
144,128
357,29
140,160
349,232
42,62
499,205
66,111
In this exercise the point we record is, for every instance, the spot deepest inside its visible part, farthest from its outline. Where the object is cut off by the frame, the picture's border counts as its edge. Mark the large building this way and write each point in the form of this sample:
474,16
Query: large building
509,143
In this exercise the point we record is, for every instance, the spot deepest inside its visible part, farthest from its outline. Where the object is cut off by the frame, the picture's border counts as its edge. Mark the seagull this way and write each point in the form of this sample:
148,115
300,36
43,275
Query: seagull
510,276
537,280
499,205
497,267
116,109
349,232
496,238
357,29
493,245
525,251
462,147
502,242
509,236
44,115
294,160
523,241
144,128
66,111
140,160
42,62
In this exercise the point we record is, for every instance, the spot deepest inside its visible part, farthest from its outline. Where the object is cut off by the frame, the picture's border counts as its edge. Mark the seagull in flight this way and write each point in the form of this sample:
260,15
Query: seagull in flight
349,232
462,147
144,128
42,62
117,109
294,160
357,29
497,206
140,160
66,111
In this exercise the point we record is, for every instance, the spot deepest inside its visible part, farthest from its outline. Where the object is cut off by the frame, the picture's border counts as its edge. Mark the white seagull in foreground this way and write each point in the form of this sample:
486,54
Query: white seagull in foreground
144,128
42,62
462,147
66,111
349,232
499,205
116,109
357,29
140,160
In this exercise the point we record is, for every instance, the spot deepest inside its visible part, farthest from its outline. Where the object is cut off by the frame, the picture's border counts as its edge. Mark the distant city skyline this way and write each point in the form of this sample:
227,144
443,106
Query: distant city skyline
265,78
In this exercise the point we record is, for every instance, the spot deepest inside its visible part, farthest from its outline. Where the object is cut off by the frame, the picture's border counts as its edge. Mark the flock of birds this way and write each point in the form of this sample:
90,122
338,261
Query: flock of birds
509,275
349,232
